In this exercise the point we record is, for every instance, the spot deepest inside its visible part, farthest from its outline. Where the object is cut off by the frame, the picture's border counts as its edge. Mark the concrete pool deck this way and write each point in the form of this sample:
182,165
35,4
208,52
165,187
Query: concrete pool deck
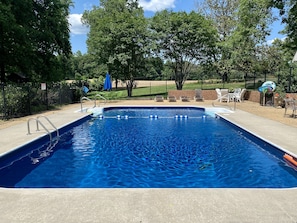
150,205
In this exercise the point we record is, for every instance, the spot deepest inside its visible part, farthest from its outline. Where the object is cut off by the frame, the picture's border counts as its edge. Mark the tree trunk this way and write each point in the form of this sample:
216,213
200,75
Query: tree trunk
129,88
116,84
179,85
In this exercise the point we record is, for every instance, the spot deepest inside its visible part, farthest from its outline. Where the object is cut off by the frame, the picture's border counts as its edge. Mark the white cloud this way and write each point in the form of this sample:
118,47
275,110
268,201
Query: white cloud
270,42
156,5
76,26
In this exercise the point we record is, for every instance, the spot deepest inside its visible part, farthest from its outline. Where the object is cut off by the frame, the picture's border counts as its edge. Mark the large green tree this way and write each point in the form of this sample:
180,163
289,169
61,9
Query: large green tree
51,37
224,14
118,38
184,40
34,35
254,18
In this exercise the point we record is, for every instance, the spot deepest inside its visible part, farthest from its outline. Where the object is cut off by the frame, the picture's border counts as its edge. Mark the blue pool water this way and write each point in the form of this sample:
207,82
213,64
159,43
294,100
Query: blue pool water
151,148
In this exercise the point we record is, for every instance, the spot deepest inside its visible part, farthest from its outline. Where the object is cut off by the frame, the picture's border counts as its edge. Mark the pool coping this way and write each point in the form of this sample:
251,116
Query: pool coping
161,205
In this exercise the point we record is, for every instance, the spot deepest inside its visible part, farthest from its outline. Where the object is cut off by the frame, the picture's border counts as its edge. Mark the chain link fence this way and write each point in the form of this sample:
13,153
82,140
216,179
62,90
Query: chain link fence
17,100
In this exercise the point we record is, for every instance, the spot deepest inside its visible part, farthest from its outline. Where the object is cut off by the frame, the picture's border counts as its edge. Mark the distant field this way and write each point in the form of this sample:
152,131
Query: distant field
142,83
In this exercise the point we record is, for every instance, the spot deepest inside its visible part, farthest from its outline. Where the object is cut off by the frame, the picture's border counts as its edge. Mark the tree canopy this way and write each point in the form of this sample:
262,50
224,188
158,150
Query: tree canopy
118,38
32,36
184,40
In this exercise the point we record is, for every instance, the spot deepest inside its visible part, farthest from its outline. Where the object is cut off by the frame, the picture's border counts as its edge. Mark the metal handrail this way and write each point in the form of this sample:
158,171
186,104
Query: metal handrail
100,97
85,98
42,116
38,121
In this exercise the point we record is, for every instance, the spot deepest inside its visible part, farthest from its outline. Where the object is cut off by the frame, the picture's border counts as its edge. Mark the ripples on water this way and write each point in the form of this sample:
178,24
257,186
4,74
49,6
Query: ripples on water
196,152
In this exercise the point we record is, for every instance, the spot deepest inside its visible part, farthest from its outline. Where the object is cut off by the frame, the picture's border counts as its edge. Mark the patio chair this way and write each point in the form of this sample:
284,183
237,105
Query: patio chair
184,98
198,95
222,95
290,103
159,98
171,98
235,94
238,94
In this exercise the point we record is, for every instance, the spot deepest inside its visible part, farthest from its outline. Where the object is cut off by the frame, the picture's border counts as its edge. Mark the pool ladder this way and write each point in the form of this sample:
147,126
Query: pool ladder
38,122
95,101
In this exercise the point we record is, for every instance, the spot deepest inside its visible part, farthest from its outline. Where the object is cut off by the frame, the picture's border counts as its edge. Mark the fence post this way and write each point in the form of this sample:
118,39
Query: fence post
4,100
29,97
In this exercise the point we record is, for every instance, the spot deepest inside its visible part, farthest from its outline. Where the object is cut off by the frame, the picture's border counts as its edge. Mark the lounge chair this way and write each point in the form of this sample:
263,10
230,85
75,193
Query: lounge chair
171,98
184,98
159,98
290,103
222,95
198,95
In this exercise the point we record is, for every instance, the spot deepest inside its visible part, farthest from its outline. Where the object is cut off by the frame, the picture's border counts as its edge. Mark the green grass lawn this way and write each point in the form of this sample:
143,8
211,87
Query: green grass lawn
152,91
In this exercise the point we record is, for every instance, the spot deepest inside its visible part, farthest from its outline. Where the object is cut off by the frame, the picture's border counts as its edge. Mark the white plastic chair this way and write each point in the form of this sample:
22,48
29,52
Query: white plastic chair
235,96
239,96
222,95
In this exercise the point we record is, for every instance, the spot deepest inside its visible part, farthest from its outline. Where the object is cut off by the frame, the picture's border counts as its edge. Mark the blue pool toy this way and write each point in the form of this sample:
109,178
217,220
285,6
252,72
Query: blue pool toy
267,86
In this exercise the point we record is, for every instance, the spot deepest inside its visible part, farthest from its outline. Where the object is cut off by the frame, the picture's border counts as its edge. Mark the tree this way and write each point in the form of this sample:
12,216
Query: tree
51,37
184,40
14,30
288,11
34,35
254,18
118,38
224,14
154,68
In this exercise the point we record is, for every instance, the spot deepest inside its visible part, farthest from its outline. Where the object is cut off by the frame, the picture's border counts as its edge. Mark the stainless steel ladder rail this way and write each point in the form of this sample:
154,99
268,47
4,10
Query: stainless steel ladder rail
42,116
38,121
85,98
100,96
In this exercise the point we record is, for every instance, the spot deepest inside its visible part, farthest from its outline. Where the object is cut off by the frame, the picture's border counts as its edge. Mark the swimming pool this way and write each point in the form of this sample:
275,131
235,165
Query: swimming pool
151,147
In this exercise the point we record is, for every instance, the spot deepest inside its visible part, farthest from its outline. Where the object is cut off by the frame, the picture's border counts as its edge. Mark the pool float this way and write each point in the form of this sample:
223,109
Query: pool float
267,86
291,159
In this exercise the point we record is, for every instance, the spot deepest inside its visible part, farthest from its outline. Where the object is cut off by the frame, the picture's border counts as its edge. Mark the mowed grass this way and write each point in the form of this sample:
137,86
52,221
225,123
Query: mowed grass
151,91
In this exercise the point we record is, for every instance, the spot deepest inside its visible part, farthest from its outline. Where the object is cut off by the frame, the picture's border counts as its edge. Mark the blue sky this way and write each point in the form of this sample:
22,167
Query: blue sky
79,32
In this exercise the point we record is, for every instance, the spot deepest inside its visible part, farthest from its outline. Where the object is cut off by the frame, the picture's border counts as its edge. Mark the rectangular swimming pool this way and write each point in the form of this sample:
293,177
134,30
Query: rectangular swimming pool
149,147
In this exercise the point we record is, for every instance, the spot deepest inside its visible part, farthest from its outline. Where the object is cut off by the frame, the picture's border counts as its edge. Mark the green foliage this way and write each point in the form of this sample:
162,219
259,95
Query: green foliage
118,34
97,84
32,36
87,67
254,18
288,12
16,99
183,40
